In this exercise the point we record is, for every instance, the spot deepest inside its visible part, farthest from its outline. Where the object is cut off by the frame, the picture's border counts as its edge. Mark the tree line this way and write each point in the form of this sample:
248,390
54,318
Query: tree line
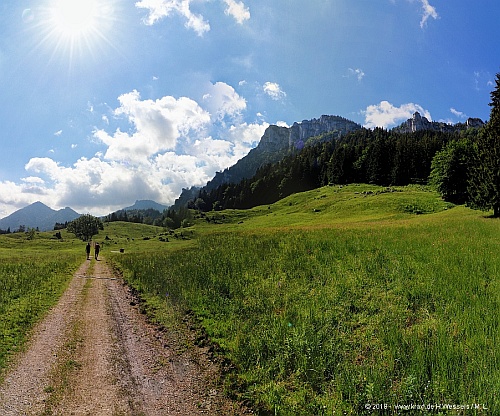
376,156
468,170
169,218
463,165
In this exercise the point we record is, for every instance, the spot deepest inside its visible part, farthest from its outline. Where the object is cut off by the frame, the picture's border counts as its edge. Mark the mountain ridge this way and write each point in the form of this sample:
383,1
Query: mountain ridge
279,141
37,215
144,204
418,123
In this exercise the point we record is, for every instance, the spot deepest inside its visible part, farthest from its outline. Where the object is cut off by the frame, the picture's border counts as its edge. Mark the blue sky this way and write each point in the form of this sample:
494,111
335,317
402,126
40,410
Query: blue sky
107,101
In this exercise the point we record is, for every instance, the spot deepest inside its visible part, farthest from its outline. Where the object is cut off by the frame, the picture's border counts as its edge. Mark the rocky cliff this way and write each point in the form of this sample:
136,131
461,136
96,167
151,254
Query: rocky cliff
300,132
274,145
277,138
418,123
278,141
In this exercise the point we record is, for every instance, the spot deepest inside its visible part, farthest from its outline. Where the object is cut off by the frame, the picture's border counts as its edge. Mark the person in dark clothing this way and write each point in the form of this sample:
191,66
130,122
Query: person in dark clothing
96,250
88,250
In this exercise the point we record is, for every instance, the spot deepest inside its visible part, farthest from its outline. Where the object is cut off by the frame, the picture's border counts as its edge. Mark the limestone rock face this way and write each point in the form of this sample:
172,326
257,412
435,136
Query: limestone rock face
418,123
300,132
275,138
279,138
474,123
279,141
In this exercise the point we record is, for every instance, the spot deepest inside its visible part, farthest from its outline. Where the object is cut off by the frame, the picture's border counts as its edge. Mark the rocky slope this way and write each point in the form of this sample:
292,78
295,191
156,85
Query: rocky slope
418,123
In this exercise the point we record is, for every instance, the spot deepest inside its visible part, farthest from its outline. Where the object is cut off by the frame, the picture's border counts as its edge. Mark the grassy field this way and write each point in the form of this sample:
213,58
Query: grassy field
33,275
340,300
349,300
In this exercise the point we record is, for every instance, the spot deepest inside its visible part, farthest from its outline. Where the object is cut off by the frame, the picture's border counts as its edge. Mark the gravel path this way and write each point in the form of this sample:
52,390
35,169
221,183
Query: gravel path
95,354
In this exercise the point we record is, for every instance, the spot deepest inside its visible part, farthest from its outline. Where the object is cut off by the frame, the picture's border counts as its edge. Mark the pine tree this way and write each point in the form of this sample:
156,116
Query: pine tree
484,185
450,170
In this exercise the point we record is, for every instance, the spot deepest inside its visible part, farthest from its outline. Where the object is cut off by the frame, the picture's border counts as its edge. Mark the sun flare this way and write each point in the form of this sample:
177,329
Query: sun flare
77,30
74,18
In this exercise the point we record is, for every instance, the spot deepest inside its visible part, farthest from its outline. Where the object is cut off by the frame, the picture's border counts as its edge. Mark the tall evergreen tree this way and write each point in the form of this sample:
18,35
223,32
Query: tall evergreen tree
484,185
450,170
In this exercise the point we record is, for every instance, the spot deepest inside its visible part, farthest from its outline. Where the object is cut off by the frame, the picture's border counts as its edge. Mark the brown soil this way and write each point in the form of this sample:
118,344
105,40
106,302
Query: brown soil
96,354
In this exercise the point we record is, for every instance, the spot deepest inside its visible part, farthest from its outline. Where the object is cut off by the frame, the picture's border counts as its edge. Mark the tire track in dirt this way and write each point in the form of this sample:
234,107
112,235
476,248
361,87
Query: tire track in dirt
24,389
96,354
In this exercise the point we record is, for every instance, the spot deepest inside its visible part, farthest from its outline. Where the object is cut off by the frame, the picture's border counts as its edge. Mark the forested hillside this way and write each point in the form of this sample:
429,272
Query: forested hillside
369,156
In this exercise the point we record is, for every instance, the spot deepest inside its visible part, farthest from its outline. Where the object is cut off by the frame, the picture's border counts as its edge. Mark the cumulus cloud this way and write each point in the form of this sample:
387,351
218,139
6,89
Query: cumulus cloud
387,115
222,100
157,126
171,143
238,10
158,9
33,179
274,91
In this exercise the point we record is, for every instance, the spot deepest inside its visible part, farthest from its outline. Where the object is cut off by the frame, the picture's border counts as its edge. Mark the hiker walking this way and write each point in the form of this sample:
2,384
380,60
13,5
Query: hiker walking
87,249
96,250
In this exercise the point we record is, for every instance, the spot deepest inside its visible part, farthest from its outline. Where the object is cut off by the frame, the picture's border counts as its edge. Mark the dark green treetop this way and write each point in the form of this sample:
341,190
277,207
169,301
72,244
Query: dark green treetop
484,184
85,226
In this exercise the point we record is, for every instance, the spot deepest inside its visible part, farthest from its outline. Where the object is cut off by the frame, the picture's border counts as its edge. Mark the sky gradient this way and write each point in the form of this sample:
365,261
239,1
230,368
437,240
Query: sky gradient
106,101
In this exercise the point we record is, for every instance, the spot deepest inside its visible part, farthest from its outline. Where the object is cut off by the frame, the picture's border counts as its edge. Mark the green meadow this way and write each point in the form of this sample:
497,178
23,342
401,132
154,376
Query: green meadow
349,300
342,300
33,276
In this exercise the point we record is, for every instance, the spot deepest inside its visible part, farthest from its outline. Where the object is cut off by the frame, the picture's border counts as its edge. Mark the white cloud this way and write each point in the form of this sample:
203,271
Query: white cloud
171,143
358,73
33,179
482,78
387,115
282,124
158,9
458,113
274,91
222,100
245,137
58,133
237,10
157,126
429,11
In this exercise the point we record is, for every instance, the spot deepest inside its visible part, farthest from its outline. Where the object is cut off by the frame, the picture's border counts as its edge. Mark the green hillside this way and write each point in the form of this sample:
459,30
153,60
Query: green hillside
331,301
337,299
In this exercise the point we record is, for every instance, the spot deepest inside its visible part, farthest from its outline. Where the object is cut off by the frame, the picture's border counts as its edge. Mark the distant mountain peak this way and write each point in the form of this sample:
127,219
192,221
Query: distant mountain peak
419,123
274,145
37,215
143,204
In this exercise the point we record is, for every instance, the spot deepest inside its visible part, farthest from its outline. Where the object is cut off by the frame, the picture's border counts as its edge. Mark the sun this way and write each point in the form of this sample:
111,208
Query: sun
75,18
76,30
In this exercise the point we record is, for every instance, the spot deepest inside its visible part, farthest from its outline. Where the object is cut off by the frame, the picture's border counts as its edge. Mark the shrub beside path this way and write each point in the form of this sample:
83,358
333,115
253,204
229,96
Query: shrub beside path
96,354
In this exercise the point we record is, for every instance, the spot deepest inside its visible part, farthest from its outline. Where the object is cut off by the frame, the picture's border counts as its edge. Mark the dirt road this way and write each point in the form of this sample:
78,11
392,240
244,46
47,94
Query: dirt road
95,354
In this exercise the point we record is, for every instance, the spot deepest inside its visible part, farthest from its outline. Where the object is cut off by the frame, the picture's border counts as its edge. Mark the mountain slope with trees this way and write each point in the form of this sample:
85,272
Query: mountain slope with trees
469,170
376,156
290,160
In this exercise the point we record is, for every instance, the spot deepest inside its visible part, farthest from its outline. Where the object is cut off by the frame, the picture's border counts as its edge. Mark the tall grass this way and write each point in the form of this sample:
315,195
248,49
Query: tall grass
31,281
318,321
